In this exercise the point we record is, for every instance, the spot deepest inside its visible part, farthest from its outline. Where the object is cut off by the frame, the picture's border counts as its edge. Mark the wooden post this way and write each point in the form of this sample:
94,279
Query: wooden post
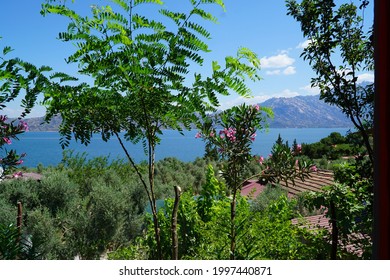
175,240
19,221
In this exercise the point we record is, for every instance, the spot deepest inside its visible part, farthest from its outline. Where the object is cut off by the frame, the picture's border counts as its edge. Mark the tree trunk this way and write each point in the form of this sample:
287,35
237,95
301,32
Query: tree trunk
175,240
153,197
232,225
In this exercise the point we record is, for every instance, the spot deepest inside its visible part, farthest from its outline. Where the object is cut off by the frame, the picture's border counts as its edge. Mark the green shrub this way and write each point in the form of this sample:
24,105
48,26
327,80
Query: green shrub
41,229
21,190
56,191
204,226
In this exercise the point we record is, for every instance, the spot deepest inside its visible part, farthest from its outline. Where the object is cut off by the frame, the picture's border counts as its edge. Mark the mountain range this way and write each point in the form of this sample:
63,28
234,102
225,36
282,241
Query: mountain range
305,112
289,112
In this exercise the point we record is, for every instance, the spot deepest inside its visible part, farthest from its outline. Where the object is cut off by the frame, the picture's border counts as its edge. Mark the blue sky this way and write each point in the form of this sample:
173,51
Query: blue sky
261,25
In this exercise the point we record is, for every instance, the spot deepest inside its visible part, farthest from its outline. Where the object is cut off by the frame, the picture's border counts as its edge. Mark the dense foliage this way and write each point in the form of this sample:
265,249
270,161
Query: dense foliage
68,215
85,208
140,70
334,146
88,208
204,229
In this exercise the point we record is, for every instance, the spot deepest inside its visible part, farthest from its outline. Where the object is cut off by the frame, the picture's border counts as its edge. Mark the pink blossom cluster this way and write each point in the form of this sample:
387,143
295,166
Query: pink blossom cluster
200,135
7,140
7,132
230,134
259,159
23,126
20,161
296,150
253,136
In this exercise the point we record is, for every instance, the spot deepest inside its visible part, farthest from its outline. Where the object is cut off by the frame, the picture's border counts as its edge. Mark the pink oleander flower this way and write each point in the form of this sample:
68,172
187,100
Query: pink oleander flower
230,133
261,160
212,134
23,126
7,140
313,168
198,135
19,162
257,107
253,136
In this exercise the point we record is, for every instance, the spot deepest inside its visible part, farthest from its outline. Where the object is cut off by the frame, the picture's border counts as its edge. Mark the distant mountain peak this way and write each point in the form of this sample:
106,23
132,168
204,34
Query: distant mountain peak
305,112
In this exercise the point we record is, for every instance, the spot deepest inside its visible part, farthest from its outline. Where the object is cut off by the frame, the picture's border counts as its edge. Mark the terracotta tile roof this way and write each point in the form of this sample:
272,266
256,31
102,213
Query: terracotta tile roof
315,182
252,188
313,222
322,222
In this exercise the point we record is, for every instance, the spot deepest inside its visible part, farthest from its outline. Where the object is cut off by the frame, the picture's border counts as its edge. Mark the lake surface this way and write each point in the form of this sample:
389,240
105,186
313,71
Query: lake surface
45,148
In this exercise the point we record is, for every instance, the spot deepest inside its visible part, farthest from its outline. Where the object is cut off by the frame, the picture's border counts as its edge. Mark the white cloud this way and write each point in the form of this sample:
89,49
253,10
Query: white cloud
366,77
289,70
303,44
311,90
273,72
277,61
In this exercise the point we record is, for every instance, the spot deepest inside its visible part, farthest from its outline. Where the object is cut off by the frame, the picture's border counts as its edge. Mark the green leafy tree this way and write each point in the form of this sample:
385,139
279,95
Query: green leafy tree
339,49
140,71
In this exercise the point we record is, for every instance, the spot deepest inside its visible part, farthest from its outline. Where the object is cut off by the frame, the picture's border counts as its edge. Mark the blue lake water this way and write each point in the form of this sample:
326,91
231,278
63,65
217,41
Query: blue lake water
44,147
